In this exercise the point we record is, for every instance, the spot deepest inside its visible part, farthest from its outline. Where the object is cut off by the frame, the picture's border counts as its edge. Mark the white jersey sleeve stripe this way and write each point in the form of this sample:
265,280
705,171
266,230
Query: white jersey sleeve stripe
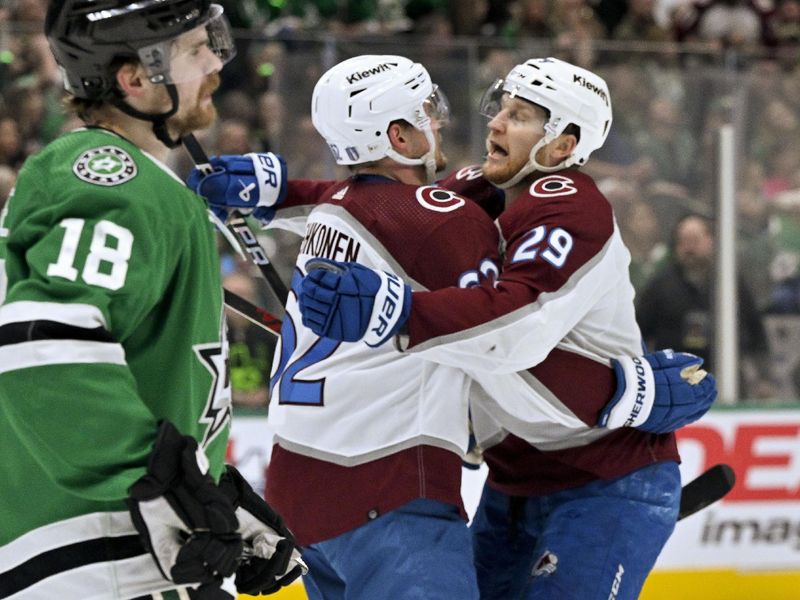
66,532
129,578
78,315
58,352
523,338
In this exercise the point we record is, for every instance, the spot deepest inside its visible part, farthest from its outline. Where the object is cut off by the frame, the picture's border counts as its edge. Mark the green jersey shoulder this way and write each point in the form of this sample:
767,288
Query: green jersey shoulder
112,319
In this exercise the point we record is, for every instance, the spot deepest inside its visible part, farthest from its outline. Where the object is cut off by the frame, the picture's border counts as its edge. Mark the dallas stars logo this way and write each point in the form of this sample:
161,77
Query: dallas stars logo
107,166
217,412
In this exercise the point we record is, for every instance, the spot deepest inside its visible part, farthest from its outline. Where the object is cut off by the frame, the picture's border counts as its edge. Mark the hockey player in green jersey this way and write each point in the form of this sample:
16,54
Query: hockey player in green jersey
114,395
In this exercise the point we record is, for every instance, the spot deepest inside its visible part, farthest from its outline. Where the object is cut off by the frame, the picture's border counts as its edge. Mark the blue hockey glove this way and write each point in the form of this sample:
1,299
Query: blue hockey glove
254,184
659,392
346,301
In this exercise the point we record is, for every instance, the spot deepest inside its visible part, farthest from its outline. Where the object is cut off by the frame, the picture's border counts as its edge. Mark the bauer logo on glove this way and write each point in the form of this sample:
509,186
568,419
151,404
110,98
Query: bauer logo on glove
254,184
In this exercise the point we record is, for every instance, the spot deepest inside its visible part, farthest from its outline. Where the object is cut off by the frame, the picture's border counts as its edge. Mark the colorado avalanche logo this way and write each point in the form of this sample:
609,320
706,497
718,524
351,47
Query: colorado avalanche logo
553,185
438,199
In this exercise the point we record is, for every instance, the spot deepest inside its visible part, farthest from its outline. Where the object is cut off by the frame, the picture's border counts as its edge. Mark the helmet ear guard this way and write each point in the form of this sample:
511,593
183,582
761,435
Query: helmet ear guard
354,103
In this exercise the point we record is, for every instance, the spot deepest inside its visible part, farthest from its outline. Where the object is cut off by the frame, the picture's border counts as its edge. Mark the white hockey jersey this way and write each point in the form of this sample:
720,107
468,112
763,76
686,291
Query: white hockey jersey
363,430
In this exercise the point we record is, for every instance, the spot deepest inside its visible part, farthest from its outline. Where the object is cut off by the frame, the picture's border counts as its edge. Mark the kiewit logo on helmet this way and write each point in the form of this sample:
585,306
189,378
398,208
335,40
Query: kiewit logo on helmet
359,75
582,81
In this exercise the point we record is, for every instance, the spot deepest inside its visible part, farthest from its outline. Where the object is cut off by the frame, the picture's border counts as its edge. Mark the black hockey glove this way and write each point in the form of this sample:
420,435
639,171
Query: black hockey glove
183,519
271,559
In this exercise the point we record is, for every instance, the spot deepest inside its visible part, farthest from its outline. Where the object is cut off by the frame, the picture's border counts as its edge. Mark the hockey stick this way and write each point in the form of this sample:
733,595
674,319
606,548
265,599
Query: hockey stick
240,228
706,489
256,315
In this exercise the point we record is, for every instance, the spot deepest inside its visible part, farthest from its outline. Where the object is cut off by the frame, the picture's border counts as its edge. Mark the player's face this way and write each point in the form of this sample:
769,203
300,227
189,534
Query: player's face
196,109
694,245
513,132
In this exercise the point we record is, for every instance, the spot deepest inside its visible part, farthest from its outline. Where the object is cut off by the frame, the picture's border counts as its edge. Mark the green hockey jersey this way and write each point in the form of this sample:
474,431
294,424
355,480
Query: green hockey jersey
111,320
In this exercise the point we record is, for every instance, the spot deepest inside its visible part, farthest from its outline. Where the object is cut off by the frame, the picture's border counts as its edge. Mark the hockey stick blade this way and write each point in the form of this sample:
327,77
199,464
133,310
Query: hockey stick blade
256,315
241,229
706,489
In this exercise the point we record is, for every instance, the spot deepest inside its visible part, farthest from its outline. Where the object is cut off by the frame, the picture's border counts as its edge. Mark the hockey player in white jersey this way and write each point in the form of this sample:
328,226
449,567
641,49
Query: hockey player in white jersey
366,467
583,486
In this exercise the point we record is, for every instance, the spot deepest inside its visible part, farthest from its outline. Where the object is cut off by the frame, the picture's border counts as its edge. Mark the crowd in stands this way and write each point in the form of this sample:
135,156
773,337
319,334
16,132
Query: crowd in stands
677,70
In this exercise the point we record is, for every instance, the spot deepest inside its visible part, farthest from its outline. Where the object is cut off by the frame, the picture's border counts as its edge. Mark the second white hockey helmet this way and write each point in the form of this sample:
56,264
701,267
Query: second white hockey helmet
355,101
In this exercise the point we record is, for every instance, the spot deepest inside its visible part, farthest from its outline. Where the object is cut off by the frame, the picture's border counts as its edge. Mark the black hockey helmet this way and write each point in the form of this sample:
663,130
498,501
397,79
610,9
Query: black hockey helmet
87,37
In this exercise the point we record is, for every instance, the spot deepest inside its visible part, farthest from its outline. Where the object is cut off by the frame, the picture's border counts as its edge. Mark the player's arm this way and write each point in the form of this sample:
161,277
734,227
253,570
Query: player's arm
257,184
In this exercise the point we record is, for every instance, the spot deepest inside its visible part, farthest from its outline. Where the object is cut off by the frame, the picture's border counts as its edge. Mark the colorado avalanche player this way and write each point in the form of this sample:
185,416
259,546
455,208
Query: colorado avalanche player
366,468
583,487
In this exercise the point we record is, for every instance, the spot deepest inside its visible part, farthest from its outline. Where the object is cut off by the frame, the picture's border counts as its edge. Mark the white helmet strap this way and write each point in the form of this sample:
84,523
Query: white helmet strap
534,165
428,159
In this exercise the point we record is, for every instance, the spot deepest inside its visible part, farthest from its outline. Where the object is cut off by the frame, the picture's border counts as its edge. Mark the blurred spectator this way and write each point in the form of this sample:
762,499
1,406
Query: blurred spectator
784,23
7,179
469,16
776,123
529,19
270,119
755,245
785,236
667,140
251,348
639,23
737,23
675,308
12,154
610,13
233,137
642,235
785,297
237,104
577,28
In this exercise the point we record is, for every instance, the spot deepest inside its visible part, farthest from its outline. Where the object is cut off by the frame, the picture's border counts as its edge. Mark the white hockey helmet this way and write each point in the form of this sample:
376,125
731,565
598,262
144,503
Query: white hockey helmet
570,94
355,101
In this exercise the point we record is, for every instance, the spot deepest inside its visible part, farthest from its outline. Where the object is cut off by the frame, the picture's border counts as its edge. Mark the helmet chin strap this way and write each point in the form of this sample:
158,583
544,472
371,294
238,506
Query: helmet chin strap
428,159
534,165
158,120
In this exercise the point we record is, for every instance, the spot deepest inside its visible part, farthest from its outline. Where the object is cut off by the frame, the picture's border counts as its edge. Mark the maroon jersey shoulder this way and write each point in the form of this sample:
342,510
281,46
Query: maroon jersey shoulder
568,199
435,234
470,183
554,228
302,192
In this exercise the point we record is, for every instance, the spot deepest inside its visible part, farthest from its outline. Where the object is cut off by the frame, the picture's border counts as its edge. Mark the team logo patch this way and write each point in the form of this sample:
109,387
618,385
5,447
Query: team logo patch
438,199
553,185
469,173
109,165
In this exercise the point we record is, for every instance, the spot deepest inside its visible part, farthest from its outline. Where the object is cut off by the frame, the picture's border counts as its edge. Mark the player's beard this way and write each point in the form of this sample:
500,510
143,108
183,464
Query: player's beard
200,115
498,172
441,158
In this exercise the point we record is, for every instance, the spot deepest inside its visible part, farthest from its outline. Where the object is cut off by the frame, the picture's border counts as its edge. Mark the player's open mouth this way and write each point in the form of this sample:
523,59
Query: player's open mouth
495,151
